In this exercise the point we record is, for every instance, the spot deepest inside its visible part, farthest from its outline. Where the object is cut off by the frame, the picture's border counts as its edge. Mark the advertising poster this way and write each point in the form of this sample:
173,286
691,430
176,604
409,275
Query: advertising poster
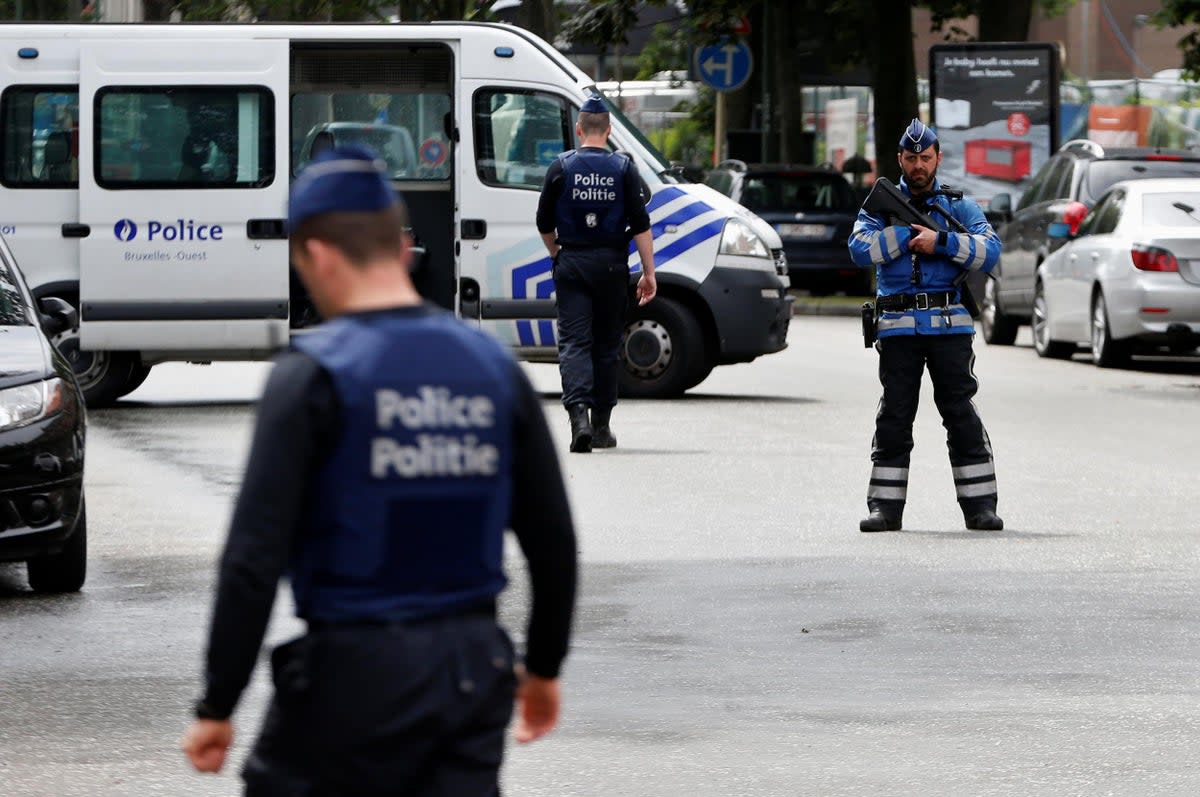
995,109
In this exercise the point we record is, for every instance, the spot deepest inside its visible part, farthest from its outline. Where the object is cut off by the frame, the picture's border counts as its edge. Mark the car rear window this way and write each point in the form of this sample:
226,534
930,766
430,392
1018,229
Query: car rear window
1103,174
1173,209
12,305
803,193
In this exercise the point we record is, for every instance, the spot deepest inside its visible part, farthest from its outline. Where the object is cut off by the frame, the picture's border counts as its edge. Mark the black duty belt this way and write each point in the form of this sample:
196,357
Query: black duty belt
484,610
917,301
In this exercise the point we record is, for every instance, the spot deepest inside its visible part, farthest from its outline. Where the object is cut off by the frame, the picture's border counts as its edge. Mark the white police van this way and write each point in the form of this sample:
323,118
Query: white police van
145,171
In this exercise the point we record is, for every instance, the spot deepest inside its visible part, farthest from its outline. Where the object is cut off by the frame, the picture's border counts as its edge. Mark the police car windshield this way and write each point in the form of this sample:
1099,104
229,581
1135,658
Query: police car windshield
657,160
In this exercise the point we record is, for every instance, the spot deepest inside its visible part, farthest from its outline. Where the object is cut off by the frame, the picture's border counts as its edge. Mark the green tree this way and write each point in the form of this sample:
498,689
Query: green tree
1176,13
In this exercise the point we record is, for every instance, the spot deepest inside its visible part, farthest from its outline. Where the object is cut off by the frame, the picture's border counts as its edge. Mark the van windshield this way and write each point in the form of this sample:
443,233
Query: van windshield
651,153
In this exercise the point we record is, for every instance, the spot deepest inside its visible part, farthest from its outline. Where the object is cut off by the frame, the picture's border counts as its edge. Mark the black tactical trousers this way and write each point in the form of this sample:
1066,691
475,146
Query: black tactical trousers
950,360
592,287
415,710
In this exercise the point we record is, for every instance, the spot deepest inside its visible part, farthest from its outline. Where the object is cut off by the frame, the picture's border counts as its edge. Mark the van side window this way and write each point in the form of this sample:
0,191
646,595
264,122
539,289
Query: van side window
518,134
185,137
41,136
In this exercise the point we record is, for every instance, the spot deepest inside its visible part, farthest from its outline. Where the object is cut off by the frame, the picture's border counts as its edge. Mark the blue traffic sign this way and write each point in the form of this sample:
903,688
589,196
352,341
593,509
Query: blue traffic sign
725,66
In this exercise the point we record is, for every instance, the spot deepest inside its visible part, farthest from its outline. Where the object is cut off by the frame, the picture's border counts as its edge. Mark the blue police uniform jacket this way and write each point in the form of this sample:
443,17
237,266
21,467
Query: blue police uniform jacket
406,517
591,205
875,244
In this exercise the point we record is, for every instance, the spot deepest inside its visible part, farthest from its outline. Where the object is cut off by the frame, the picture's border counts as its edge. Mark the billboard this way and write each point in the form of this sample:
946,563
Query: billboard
995,109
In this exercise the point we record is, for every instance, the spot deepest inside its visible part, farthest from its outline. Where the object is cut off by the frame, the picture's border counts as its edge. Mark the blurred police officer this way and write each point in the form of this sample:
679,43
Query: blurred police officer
393,447
592,198
923,324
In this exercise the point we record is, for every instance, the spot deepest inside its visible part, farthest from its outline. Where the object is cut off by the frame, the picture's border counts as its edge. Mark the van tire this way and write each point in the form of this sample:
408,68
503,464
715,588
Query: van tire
662,352
66,570
103,376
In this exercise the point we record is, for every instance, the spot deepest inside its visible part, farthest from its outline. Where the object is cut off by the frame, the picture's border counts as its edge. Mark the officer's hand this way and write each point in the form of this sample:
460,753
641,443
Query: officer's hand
647,288
923,240
206,743
538,701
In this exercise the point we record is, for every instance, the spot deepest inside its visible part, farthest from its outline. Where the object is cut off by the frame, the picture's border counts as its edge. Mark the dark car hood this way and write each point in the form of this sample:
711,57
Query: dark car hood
24,356
814,217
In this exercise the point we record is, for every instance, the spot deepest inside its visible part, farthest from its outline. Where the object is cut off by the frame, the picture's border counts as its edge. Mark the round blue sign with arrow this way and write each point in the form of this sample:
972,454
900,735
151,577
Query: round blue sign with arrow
725,66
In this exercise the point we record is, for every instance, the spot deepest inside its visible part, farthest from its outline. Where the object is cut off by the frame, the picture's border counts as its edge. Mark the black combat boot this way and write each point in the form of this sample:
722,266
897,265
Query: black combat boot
581,429
885,516
602,436
982,518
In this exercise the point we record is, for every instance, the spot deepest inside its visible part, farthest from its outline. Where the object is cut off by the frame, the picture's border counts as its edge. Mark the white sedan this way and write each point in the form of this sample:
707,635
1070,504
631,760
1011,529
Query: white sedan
1129,277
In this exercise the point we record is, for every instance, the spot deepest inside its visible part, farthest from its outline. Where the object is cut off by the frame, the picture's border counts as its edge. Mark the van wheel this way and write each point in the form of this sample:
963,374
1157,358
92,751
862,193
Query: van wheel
998,329
662,353
66,570
103,376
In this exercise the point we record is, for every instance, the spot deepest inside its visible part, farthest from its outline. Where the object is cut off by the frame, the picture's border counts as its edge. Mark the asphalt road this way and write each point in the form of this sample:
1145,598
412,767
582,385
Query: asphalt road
736,635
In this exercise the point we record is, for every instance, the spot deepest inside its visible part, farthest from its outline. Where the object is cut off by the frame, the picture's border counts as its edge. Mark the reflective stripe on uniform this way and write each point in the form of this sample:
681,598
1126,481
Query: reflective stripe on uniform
898,322
962,319
887,493
980,254
975,490
889,474
893,242
975,471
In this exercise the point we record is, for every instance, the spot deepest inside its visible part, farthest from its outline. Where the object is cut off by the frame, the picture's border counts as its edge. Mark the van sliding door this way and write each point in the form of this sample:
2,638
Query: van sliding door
183,179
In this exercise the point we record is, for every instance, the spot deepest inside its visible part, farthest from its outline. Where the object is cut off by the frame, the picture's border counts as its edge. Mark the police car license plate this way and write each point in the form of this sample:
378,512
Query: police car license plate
803,230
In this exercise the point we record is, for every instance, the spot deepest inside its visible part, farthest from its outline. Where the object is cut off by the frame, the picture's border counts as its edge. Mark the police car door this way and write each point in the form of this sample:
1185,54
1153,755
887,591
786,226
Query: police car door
183,187
40,210
514,136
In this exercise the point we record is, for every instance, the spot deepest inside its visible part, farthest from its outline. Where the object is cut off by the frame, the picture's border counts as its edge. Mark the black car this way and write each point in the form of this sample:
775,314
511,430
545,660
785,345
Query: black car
42,428
812,208
1080,172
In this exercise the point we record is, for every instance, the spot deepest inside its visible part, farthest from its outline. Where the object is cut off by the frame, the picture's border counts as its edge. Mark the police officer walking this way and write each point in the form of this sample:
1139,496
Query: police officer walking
393,447
592,199
922,323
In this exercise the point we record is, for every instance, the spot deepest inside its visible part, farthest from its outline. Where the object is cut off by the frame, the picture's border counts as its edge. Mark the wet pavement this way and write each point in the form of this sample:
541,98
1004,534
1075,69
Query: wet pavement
736,634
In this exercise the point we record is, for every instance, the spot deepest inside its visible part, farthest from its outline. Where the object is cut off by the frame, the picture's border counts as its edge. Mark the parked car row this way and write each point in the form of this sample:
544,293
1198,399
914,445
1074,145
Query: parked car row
813,209
1103,253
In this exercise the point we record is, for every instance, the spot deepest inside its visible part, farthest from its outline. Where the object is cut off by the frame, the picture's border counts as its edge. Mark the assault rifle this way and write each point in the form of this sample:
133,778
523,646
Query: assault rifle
889,201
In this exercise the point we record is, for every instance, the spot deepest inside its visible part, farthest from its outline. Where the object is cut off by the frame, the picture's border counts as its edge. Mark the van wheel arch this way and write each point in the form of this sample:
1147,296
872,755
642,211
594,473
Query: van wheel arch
103,376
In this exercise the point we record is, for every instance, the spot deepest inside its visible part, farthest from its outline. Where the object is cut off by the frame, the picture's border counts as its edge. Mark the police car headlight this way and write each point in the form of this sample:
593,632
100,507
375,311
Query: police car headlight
23,405
739,239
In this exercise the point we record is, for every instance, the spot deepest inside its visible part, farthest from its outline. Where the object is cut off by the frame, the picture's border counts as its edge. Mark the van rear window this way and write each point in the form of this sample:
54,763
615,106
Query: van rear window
185,137
41,137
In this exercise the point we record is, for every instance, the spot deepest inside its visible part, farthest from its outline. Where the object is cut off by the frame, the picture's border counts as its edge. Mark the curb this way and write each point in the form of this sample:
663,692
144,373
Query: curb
806,306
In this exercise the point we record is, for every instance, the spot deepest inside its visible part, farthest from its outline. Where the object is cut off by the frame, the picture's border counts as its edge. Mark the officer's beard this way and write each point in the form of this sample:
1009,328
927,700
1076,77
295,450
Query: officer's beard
924,183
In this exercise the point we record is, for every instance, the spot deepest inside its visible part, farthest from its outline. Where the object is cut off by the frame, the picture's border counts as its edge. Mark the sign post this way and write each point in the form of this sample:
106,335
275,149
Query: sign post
725,66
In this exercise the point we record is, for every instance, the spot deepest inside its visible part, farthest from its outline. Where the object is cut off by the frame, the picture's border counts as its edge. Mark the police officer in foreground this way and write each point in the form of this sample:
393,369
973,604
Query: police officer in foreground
592,198
923,324
393,447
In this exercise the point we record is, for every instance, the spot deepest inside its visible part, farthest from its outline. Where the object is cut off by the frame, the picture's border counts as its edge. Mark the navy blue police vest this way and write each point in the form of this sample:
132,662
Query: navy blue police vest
591,206
406,518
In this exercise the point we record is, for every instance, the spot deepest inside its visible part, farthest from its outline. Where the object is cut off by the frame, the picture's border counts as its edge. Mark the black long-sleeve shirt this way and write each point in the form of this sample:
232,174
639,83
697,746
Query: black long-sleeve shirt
297,428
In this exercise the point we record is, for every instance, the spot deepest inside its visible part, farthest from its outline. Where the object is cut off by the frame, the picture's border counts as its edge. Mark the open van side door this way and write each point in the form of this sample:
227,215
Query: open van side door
183,182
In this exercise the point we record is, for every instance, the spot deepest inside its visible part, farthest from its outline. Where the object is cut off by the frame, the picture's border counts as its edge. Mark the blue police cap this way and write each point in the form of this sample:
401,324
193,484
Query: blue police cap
918,137
594,104
348,177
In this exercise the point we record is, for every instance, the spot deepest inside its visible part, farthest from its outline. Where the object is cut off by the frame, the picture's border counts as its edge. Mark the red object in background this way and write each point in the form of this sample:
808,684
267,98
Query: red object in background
1073,216
1018,124
999,158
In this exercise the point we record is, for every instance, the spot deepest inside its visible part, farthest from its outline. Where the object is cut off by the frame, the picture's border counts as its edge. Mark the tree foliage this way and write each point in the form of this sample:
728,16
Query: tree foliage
1175,13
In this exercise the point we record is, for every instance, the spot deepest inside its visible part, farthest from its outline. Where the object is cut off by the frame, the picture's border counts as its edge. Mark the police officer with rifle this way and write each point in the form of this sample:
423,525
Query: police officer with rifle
923,319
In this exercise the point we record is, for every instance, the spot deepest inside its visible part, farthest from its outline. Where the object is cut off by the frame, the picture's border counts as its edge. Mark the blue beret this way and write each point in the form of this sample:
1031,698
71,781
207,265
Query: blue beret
917,138
348,177
594,104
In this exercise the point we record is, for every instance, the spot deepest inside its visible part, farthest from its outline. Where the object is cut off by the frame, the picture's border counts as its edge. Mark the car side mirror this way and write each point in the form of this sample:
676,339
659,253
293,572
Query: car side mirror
1001,206
57,316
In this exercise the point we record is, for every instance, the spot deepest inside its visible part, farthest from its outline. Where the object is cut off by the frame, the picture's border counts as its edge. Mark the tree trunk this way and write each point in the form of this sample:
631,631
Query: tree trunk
787,93
1005,20
888,45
